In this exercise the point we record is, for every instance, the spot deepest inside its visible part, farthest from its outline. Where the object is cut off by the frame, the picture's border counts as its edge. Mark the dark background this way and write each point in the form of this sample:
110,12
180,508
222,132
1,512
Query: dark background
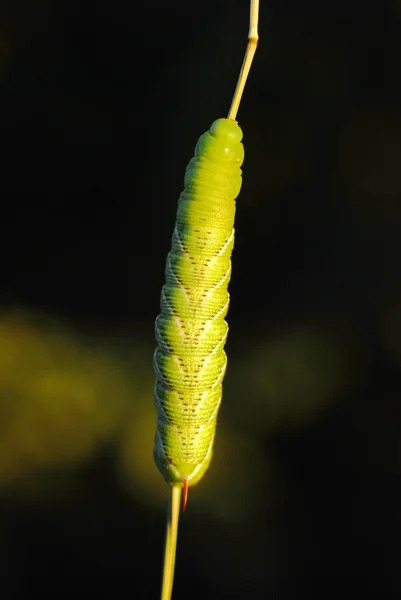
101,106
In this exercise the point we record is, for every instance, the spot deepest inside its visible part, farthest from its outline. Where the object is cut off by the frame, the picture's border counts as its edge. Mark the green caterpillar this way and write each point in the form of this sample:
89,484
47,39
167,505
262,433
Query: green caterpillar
191,330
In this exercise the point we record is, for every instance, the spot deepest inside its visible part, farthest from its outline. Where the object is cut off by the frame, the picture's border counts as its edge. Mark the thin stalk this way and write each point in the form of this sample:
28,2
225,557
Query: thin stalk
173,513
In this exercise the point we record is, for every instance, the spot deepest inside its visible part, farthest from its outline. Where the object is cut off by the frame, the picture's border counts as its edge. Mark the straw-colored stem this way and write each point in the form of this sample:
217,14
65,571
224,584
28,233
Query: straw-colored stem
249,54
173,513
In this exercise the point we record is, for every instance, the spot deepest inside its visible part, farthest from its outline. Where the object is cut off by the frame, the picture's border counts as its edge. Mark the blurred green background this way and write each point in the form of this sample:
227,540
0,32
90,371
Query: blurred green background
102,104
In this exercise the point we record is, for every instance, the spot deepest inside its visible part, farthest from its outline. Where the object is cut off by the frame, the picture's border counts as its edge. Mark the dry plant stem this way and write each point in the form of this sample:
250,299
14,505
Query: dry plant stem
253,38
173,513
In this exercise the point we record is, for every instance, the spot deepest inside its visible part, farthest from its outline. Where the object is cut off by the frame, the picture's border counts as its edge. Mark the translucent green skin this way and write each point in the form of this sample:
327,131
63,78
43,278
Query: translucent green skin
191,330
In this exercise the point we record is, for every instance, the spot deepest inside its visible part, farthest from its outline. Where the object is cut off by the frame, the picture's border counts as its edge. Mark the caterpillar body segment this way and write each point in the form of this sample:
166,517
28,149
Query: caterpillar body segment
191,330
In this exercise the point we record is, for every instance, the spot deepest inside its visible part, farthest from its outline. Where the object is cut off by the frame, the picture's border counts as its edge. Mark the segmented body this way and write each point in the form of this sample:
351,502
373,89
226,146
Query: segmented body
191,330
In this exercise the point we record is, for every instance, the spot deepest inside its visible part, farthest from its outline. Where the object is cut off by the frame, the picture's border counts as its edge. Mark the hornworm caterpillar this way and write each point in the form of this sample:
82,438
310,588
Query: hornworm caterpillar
191,330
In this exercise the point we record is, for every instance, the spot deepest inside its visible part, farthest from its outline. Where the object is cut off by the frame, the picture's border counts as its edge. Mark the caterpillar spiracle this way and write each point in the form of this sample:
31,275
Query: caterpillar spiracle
191,330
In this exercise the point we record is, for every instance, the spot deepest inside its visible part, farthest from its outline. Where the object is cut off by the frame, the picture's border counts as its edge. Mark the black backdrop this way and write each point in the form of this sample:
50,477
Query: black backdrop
101,106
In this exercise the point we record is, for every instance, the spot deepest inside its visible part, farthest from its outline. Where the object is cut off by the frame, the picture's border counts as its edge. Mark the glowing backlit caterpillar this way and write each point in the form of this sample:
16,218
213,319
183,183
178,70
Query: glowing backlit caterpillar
191,330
